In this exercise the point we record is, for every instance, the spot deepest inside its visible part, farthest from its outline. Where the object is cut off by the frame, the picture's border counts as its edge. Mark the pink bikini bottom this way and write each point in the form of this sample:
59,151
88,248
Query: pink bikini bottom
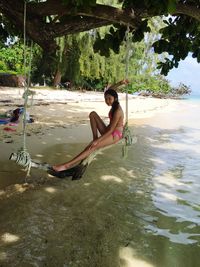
117,133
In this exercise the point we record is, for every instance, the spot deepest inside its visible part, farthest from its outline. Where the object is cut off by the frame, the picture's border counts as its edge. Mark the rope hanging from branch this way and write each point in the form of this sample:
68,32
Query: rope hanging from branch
22,157
126,132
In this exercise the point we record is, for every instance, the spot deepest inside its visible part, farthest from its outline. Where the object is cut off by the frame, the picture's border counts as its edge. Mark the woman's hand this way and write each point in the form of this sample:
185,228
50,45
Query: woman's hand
125,81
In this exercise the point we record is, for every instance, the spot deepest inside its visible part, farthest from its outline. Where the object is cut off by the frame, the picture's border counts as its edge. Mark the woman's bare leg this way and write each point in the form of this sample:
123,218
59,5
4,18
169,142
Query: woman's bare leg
85,153
96,124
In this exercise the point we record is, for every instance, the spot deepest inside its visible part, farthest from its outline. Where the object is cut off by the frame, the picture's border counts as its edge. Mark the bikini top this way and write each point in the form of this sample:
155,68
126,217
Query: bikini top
110,117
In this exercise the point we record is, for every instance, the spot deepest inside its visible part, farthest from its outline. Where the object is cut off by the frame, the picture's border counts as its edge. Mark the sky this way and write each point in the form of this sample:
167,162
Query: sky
188,72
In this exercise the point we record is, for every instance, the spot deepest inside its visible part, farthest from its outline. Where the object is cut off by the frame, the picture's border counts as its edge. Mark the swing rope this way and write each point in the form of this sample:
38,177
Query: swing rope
22,157
126,132
127,57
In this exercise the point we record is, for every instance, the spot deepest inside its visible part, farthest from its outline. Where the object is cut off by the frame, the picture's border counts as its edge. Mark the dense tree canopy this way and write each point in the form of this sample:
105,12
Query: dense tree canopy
49,19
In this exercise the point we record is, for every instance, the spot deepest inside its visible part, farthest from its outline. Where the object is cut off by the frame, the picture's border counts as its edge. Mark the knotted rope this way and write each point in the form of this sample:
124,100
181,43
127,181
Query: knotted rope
126,132
22,157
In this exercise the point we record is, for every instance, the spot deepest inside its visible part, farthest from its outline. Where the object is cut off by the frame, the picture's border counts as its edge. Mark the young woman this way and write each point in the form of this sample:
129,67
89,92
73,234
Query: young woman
108,134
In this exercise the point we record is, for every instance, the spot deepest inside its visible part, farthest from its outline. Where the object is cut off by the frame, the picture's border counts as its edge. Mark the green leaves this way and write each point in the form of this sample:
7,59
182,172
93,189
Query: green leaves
178,38
196,54
12,58
161,46
111,40
171,6
138,34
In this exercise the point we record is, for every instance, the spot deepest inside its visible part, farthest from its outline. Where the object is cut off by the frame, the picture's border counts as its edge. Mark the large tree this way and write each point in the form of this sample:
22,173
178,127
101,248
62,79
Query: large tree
49,19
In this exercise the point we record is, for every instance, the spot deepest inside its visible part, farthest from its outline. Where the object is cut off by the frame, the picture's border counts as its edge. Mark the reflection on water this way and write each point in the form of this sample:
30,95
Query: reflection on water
143,211
177,185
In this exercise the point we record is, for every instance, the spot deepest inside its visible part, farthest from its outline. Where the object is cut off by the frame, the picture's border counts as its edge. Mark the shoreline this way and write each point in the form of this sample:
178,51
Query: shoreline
52,109
136,104
62,108
61,117
58,126
152,195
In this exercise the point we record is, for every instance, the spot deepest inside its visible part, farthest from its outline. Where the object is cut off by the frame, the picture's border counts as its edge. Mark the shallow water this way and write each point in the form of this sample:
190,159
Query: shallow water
140,211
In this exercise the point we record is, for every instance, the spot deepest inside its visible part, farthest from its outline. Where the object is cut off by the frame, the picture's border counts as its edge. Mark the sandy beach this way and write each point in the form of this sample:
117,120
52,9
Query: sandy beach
61,108
61,116
123,211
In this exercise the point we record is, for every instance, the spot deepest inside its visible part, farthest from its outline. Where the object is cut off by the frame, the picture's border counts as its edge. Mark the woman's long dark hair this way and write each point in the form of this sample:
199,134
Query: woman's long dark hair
115,104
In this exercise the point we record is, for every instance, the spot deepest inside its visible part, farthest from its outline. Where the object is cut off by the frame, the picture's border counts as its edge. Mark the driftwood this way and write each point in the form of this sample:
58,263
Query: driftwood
11,80
75,172
34,164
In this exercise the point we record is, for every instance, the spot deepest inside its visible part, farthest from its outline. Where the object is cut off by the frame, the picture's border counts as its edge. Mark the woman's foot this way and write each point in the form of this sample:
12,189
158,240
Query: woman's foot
59,168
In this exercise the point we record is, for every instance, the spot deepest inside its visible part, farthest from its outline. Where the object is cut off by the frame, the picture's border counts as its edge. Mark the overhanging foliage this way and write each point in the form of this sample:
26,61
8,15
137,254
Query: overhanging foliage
49,19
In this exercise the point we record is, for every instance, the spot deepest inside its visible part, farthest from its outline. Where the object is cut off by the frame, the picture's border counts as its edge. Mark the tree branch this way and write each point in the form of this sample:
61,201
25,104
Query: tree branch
66,19
101,12
75,25
189,10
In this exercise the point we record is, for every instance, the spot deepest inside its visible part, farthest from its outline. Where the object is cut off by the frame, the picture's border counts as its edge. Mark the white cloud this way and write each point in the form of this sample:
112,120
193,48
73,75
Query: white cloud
188,72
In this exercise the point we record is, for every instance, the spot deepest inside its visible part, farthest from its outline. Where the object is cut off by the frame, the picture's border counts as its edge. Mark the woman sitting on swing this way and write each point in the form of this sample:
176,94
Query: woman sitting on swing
109,135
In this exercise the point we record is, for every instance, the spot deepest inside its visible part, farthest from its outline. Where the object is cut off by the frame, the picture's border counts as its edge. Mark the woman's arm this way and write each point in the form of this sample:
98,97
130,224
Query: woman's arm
116,85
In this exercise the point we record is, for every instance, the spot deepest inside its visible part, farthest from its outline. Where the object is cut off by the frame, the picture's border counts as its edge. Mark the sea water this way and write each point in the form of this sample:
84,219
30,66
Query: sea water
195,98
139,211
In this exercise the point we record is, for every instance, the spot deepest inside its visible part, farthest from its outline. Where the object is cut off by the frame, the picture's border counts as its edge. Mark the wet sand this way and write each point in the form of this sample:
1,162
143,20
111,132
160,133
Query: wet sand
139,211
60,117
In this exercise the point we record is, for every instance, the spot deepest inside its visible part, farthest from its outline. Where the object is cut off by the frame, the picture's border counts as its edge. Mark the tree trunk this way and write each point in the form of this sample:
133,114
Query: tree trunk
57,78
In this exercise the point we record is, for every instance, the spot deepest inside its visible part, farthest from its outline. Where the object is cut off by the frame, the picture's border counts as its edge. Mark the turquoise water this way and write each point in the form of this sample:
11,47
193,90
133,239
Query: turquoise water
142,211
194,98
